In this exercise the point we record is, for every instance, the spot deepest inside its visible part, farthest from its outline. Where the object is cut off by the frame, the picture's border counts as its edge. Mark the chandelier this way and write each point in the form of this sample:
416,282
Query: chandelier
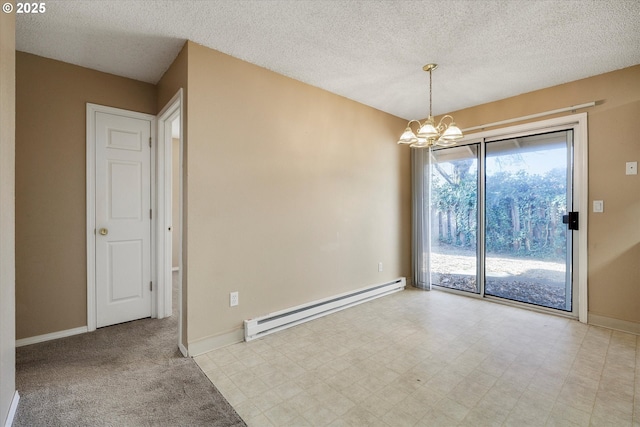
430,134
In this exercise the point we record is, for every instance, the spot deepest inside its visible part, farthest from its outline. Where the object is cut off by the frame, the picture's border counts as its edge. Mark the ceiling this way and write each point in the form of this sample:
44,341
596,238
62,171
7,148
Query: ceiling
371,51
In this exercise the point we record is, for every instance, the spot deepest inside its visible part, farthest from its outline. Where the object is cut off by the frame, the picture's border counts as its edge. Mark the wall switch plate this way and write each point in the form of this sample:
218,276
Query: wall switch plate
379,267
233,299
598,205
632,168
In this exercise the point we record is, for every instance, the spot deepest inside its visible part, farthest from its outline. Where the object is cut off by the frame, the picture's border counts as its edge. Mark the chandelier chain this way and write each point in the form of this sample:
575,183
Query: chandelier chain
430,92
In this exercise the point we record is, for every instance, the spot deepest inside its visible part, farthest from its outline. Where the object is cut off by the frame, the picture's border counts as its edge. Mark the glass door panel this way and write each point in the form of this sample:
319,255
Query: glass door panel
454,218
527,246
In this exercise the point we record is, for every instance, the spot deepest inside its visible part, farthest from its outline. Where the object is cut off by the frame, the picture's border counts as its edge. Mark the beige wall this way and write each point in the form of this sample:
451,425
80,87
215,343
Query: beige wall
7,213
614,236
295,193
50,185
290,218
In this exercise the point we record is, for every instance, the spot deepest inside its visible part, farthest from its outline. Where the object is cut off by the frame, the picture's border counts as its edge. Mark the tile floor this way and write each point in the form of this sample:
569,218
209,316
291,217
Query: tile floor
433,359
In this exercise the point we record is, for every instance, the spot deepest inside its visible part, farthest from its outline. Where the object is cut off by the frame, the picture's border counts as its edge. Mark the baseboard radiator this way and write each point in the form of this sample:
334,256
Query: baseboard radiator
264,325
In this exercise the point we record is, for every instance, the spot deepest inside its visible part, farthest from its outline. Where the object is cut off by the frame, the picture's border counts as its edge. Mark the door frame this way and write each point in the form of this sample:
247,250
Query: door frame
169,112
577,123
92,109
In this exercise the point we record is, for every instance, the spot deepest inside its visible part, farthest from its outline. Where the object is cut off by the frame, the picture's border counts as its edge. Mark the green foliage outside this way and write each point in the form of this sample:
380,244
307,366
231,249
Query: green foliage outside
523,211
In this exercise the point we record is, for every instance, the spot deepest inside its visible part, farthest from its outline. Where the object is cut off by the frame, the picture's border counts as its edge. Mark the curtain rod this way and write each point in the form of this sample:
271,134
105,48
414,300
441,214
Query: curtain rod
532,116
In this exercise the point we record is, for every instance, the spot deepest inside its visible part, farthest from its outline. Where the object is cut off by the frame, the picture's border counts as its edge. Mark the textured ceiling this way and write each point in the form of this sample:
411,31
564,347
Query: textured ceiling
369,51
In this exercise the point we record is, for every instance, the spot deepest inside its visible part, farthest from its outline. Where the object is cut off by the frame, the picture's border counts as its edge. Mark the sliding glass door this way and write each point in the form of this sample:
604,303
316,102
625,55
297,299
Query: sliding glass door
454,218
496,219
527,246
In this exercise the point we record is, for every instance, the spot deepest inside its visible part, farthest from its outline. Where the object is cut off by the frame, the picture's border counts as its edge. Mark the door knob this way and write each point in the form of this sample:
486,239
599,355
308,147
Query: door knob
104,231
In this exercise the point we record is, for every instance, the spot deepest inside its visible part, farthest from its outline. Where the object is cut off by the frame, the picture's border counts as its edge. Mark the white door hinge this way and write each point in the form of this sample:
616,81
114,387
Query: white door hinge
151,286
149,141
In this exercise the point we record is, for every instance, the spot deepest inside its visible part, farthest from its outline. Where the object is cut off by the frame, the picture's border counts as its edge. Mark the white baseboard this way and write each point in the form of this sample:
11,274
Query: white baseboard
211,343
52,336
183,350
12,410
618,325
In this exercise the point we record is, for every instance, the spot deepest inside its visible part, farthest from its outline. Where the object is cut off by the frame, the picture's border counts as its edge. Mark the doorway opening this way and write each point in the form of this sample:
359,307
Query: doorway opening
170,219
151,210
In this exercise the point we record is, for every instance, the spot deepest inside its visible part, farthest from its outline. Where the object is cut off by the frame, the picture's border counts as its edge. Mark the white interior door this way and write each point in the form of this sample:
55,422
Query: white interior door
122,218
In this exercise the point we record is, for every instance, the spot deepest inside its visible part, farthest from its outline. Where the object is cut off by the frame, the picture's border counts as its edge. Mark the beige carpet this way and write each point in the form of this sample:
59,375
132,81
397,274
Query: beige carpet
125,375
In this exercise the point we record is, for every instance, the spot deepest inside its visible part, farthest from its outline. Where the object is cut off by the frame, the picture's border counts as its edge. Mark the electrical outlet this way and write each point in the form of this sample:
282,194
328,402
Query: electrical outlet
379,267
632,168
233,299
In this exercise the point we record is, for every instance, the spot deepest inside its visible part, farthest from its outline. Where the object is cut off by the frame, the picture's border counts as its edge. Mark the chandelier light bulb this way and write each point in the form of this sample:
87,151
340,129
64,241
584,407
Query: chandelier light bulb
428,131
452,133
408,137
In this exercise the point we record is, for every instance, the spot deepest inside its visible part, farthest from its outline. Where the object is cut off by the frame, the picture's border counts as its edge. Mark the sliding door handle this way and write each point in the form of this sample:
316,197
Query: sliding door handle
571,219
